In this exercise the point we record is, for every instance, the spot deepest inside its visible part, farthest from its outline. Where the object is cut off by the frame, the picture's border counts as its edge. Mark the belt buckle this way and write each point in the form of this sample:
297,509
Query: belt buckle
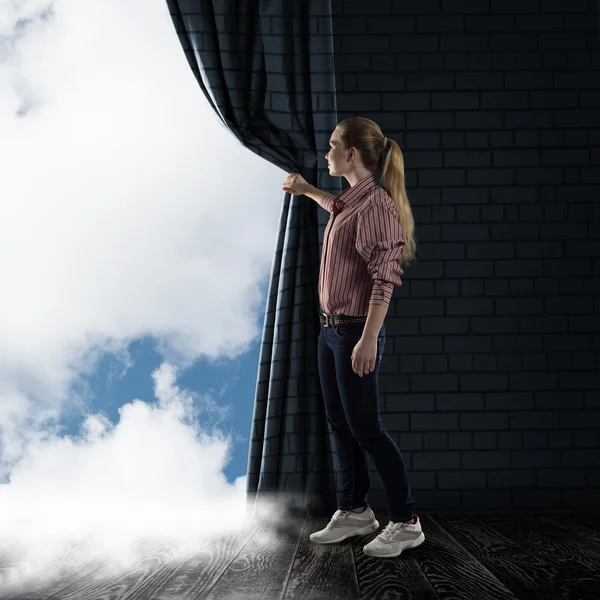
327,320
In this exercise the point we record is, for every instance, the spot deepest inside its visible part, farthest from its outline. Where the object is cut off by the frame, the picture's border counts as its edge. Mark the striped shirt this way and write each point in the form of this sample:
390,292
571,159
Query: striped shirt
362,245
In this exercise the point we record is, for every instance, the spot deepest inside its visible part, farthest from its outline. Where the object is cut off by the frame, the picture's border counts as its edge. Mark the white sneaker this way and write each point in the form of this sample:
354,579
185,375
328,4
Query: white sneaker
395,538
345,524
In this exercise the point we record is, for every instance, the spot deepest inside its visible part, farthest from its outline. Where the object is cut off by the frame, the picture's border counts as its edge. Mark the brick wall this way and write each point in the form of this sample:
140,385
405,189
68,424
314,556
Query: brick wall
490,378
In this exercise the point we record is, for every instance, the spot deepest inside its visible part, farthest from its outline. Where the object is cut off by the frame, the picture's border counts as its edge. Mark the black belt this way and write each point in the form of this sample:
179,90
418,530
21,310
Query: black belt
328,319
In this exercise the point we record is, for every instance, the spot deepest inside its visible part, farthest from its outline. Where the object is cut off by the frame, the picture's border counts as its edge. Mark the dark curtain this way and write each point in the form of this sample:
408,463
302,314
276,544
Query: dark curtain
266,68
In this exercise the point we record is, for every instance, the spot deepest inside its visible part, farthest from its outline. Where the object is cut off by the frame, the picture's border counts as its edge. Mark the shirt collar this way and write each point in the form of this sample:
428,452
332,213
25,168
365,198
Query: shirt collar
353,194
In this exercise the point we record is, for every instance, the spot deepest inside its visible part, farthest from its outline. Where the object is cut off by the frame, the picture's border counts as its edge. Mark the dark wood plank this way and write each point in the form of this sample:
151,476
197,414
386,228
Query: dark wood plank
502,557
512,548
322,571
525,572
261,568
34,579
24,561
588,520
189,574
452,571
572,532
547,537
390,578
116,578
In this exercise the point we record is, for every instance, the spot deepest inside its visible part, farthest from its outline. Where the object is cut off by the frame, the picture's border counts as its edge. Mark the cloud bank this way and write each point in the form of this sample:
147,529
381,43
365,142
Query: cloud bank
126,210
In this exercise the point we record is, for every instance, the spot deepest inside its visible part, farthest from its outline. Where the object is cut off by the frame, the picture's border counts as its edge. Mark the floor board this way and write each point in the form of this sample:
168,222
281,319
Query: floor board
526,557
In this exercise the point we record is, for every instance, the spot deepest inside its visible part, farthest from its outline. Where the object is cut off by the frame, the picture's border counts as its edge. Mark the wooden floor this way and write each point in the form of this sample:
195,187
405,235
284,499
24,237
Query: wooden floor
479,558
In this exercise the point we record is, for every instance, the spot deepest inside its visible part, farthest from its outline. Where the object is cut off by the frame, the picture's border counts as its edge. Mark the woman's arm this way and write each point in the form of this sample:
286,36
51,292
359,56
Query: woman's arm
315,193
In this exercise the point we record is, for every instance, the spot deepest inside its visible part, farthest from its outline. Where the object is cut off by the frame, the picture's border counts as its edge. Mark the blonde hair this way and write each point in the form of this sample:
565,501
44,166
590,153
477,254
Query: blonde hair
366,136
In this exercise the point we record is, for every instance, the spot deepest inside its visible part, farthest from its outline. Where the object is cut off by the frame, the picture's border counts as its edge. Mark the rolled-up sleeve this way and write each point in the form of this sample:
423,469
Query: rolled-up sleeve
327,201
380,241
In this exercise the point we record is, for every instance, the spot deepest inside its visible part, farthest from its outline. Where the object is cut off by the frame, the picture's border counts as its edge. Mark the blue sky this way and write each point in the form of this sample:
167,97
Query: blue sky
228,383
136,242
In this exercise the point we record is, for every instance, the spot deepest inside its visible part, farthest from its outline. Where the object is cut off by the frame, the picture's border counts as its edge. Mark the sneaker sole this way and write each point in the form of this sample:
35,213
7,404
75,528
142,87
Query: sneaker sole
373,526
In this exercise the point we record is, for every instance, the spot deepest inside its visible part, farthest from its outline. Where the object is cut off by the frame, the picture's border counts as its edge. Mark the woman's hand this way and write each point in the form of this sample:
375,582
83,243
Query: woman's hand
364,356
294,183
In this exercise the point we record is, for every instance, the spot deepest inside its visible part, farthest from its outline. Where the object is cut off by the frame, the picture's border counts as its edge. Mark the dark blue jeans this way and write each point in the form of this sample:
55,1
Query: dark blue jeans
352,408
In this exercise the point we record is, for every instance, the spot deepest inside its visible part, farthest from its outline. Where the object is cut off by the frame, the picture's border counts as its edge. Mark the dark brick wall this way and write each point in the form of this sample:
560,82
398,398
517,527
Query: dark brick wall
490,378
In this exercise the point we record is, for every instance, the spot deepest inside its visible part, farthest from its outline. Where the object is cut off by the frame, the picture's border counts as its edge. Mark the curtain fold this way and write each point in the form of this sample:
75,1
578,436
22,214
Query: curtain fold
267,69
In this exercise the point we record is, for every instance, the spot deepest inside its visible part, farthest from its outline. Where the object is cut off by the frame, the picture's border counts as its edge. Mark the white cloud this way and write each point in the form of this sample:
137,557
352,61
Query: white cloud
126,210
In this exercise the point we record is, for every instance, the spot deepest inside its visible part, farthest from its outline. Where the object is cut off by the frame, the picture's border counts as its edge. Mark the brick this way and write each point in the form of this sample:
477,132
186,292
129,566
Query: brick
514,6
579,79
497,250
483,382
490,372
557,6
464,269
587,438
478,81
422,140
443,325
520,343
372,44
567,478
480,120
465,7
551,41
454,100
421,344
505,99
466,195
423,120
510,158
558,99
468,343
456,61
486,459
435,441
463,306
494,325
515,478
434,382
485,440
429,159
495,177
436,460
464,232
538,22
440,23
415,43
406,101
462,480
467,158
391,25
513,41
520,305
571,457
466,41
472,287
420,8
468,213
489,23
523,119
566,157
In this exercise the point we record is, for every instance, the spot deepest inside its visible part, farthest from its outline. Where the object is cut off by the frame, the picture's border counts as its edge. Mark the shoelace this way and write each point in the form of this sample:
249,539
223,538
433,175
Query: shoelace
341,515
392,529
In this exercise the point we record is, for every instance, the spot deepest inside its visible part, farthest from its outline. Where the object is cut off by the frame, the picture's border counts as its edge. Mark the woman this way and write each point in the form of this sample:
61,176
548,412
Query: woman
369,235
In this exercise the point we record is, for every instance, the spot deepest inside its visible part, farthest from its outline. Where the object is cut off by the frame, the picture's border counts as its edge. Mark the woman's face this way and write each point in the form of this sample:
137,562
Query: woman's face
334,156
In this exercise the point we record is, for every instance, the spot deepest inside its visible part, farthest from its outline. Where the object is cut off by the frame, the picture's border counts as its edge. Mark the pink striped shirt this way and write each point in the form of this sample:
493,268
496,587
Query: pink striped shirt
362,245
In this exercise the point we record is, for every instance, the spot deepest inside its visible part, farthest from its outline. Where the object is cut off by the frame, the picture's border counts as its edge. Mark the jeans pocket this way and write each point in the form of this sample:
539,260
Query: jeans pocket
349,332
